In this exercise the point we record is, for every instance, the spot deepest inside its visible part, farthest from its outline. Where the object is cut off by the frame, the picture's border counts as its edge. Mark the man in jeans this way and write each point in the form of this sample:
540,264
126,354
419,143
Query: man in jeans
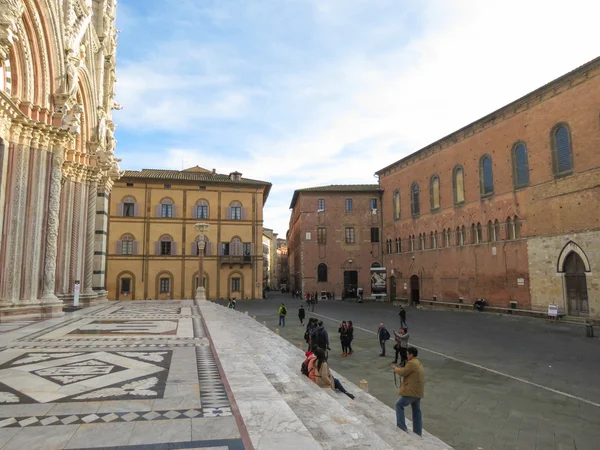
282,313
411,391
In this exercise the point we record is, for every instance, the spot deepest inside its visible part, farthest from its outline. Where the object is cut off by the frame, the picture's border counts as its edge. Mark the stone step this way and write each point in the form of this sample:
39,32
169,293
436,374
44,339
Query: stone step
332,418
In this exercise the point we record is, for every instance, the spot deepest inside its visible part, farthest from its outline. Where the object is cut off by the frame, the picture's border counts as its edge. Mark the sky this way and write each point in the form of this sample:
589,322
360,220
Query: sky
304,93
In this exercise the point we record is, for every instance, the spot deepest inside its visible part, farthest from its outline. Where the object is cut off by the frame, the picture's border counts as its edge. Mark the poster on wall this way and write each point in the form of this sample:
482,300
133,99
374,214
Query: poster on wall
378,281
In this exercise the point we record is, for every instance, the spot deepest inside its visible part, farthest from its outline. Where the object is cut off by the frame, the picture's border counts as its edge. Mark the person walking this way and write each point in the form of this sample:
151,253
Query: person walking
402,315
411,391
312,303
310,327
320,337
343,330
282,314
323,376
301,314
382,336
401,346
350,334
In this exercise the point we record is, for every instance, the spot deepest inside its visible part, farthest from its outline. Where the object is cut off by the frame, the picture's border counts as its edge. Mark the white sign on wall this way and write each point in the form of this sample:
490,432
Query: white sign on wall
308,236
553,310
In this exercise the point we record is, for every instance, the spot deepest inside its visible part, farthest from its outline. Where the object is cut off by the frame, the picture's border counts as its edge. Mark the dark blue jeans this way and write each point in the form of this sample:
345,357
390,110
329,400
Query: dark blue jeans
382,343
338,385
415,404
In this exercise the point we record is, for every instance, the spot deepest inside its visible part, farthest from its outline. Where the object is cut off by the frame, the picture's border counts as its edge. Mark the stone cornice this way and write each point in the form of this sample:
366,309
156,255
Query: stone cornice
534,98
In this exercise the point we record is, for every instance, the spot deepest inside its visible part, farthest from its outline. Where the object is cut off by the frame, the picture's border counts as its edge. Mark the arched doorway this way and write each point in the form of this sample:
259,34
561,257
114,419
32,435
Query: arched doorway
414,290
576,285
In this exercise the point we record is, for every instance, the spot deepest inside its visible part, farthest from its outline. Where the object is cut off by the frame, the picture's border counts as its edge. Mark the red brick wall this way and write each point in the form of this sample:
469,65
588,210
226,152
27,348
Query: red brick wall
548,206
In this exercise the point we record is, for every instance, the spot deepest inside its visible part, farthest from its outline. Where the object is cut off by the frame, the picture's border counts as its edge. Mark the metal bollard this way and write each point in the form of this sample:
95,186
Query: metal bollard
364,385
276,330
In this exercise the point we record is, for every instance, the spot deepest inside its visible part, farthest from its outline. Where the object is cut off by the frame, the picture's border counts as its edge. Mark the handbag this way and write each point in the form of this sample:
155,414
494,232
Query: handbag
397,347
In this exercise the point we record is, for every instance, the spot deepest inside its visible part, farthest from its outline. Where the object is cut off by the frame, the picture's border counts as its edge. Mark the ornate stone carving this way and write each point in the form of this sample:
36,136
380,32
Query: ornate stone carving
52,230
72,121
10,13
71,76
101,132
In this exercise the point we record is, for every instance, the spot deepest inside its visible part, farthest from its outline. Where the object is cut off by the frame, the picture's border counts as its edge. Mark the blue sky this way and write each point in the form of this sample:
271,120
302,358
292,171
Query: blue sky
313,92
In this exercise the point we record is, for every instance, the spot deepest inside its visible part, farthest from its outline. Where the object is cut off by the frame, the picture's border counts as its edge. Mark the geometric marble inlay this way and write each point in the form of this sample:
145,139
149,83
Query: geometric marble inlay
51,377
122,327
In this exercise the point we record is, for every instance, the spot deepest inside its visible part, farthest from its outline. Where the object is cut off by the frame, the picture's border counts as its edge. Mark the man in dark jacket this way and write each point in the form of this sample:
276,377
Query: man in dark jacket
301,314
382,335
320,337
402,315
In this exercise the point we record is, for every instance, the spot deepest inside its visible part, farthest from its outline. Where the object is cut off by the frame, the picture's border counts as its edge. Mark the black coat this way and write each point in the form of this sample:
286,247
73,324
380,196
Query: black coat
301,313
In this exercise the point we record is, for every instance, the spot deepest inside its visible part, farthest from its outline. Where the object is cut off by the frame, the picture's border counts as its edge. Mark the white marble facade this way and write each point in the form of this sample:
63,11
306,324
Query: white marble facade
57,163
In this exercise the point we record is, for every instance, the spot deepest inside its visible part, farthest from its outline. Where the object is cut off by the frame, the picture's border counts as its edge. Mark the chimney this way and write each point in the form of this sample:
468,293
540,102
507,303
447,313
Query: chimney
214,171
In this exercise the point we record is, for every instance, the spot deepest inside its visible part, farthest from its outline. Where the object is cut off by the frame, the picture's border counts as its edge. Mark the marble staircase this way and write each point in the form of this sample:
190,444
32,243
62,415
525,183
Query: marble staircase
283,409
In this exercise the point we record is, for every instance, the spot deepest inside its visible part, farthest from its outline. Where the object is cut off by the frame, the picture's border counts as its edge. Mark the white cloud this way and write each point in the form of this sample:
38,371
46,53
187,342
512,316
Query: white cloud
339,118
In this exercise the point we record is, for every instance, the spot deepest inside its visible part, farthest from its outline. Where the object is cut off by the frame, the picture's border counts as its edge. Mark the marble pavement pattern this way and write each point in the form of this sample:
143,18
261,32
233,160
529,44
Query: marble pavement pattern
123,375
284,410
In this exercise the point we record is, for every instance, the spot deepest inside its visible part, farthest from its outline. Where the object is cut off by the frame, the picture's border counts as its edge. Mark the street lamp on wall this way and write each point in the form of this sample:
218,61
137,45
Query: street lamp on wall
201,228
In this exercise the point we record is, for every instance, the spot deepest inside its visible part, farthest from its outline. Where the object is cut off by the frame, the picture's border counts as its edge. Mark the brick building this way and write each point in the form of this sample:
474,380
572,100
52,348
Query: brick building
506,208
334,238
153,246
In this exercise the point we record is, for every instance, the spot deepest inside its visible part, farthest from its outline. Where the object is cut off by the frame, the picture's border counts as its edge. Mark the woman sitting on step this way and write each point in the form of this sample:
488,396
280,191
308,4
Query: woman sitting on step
323,376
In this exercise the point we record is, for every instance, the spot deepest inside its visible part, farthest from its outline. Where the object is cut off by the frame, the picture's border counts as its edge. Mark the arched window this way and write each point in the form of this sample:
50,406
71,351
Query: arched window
235,247
201,210
236,212
431,240
398,245
458,185
412,242
415,207
447,237
458,236
486,176
434,192
473,234
517,227
166,208
422,241
510,229
562,157
491,232
321,204
165,246
128,208
496,230
322,273
520,165
463,235
396,205
375,264
126,245
479,233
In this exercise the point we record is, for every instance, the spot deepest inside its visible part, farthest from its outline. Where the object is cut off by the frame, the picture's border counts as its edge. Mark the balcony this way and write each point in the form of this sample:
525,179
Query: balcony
231,260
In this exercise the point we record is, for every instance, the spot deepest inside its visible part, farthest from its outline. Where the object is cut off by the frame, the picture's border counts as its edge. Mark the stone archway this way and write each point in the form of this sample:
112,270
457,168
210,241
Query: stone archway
415,293
576,285
125,286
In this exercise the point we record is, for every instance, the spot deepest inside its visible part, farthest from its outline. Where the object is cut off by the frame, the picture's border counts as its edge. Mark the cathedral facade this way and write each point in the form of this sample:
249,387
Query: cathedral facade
57,163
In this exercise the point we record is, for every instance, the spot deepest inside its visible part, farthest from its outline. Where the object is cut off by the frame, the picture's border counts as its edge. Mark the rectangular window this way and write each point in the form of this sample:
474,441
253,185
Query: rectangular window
125,285
236,213
348,204
165,248
247,248
127,247
398,246
265,249
202,212
129,184
202,188
322,235
166,210
374,234
321,205
128,209
164,285
225,248
349,235
236,284
167,186
373,203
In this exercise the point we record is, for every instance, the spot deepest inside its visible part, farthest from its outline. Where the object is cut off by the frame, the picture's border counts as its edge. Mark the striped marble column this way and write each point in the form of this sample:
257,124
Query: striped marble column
100,247
90,238
75,219
66,233
3,181
15,233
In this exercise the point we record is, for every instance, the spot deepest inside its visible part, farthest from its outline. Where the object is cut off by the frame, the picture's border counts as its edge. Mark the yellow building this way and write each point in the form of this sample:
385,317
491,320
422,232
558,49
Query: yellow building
152,244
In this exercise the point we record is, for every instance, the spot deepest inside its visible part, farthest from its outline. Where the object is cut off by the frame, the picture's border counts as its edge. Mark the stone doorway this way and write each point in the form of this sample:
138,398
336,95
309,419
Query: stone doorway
350,283
414,290
576,285
392,288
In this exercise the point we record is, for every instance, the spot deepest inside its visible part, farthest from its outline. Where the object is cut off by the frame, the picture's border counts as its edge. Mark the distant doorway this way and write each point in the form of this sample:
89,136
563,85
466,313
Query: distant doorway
350,283
414,290
392,288
576,285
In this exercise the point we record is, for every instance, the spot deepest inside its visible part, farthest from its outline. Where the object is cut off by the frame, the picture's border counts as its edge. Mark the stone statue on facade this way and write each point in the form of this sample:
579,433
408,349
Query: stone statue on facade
72,121
71,76
10,13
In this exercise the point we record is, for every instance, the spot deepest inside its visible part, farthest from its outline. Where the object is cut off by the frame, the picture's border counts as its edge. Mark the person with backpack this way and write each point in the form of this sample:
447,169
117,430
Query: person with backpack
282,314
319,337
383,335
343,330
350,337
401,346
323,376
301,315
308,366
312,323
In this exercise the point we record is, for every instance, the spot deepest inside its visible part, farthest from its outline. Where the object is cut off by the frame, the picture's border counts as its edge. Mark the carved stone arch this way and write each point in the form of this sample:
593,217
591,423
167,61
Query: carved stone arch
235,274
164,274
44,48
122,274
127,236
572,247
236,203
510,211
193,285
166,201
90,115
50,22
127,199
37,74
166,238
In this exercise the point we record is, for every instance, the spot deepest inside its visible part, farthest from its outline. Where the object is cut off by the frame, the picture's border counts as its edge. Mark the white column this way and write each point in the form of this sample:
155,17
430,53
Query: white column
15,234
90,237
52,230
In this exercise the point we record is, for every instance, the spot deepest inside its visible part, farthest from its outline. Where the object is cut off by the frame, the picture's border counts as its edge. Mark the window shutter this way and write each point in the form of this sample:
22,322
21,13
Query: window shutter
488,178
207,211
521,165
119,247
207,249
194,251
136,210
194,212
220,249
563,150
157,248
120,209
135,247
243,213
228,213
252,251
173,248
174,211
158,210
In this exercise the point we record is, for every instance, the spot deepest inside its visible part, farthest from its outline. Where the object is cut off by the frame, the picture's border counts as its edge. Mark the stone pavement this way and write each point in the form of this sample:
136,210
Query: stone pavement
158,375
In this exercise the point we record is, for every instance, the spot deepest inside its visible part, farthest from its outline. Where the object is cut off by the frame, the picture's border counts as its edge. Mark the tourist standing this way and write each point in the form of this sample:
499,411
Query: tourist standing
320,337
301,314
382,336
343,330
402,315
411,391
401,346
310,327
282,314
350,334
